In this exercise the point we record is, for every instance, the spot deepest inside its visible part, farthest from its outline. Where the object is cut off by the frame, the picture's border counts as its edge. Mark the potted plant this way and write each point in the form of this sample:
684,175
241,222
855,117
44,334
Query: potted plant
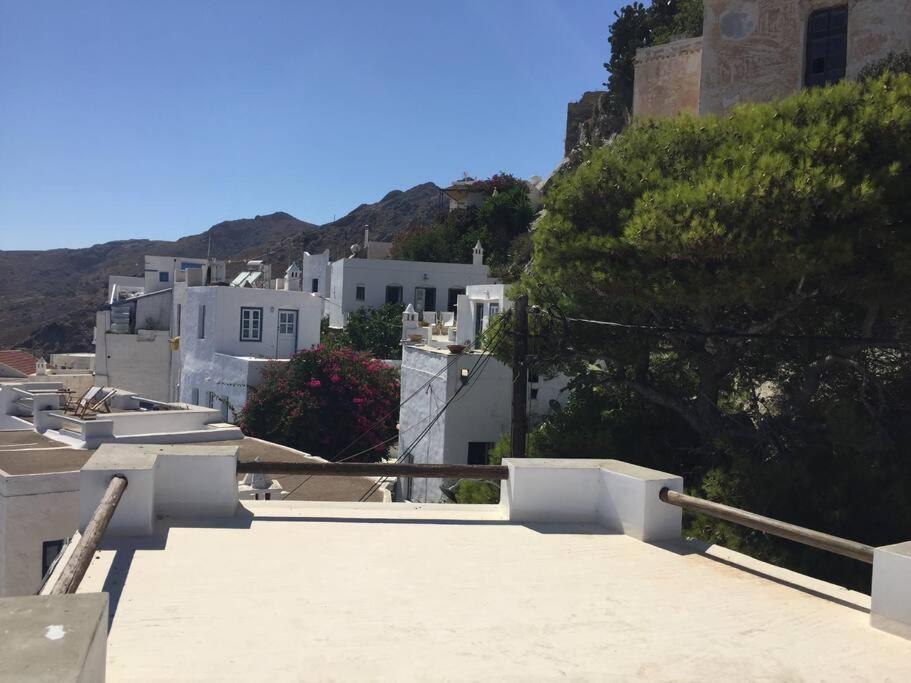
456,348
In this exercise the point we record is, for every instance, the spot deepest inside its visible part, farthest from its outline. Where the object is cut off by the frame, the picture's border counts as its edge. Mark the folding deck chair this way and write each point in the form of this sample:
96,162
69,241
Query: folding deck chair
103,402
81,404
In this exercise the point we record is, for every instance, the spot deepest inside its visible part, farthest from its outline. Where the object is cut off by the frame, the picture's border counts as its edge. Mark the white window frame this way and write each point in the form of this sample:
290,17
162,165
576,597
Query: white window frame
251,324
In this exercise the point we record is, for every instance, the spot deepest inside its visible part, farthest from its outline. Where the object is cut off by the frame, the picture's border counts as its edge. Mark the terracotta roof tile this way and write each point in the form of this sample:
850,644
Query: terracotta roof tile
19,360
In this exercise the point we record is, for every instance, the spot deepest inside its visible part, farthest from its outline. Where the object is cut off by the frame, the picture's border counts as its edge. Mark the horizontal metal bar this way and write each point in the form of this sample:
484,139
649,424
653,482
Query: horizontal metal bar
76,566
377,469
792,532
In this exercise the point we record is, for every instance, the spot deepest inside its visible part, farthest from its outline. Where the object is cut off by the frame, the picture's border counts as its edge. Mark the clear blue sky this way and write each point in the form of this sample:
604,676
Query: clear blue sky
158,119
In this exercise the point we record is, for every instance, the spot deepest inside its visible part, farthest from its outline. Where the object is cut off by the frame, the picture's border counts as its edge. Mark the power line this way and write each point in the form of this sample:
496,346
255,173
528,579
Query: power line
724,334
497,330
474,373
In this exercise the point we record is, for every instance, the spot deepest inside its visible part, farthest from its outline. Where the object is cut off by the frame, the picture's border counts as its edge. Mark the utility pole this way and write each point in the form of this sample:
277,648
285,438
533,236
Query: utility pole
519,377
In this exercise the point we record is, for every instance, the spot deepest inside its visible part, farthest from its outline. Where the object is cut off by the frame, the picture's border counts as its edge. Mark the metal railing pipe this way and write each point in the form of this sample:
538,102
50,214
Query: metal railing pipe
77,564
377,469
792,532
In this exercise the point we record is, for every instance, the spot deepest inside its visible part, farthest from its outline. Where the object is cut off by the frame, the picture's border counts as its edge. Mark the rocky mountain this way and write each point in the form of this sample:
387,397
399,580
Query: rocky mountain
397,211
48,298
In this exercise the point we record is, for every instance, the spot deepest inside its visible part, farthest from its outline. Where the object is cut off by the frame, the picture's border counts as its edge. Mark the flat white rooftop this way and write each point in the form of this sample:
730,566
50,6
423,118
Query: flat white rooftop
341,591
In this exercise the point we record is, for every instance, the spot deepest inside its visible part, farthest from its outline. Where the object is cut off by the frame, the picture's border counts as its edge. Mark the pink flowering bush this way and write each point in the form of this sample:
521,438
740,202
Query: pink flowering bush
321,400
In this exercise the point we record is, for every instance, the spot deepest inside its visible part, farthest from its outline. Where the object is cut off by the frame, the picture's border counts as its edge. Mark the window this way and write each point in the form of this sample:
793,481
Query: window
210,399
286,321
393,294
425,299
251,324
453,300
194,396
533,394
49,552
493,310
360,293
186,265
201,323
314,284
827,41
179,310
477,452
163,276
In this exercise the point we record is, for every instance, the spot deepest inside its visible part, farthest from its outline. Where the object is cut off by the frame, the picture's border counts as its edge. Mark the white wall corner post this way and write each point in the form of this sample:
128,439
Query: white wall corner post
629,502
618,495
890,605
182,482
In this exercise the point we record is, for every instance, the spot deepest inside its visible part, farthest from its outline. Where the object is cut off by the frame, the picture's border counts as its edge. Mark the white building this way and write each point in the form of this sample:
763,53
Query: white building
354,283
229,334
147,337
133,332
431,375
42,449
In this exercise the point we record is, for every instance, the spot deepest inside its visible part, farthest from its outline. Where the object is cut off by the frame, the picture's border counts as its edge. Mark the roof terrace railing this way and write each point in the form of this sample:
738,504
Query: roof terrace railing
378,469
77,564
792,532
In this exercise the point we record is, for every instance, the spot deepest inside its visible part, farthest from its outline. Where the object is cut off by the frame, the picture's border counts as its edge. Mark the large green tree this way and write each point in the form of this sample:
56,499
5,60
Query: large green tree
499,223
760,263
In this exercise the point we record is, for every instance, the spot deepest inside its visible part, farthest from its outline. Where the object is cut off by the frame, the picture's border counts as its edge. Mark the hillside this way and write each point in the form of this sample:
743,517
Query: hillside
49,298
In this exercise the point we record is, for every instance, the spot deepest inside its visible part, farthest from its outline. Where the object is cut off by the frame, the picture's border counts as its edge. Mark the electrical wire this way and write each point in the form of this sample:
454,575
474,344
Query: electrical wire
474,373
497,330
680,331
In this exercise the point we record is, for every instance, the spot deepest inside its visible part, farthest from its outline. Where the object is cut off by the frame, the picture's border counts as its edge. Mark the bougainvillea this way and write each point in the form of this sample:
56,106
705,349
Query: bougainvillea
321,400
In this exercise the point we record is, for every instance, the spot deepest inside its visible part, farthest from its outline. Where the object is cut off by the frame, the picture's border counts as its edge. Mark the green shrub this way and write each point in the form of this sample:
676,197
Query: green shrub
320,399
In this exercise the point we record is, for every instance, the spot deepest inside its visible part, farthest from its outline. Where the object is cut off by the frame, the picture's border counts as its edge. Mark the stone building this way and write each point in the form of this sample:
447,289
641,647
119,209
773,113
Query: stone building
761,50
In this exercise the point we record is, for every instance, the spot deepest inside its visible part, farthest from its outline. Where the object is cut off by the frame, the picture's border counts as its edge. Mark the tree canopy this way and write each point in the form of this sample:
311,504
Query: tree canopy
376,331
500,224
758,261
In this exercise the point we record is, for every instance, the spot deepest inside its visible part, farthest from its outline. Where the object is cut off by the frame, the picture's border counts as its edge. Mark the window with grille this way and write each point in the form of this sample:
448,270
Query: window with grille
827,46
251,324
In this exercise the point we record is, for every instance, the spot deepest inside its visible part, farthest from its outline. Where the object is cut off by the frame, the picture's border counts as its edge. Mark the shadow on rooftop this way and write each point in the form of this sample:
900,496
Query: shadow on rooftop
701,548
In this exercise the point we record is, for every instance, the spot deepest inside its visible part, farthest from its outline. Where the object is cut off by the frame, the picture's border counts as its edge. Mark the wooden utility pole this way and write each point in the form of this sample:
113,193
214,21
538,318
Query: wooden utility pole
519,377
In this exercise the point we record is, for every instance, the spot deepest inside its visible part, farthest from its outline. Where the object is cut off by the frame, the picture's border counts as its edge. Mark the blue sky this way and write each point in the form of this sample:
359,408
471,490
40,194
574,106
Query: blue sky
158,119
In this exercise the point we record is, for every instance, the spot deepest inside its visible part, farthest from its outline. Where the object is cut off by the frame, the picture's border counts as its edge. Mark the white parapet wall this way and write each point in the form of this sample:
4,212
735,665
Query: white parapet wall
618,495
184,482
890,608
54,638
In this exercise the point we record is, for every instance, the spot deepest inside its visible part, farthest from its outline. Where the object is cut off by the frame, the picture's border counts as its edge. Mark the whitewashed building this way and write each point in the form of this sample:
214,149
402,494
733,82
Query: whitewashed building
431,375
355,282
180,333
133,331
229,334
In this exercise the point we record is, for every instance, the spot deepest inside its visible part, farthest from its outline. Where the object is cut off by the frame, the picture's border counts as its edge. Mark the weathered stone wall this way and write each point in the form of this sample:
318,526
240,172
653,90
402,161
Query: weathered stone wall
667,78
578,113
753,50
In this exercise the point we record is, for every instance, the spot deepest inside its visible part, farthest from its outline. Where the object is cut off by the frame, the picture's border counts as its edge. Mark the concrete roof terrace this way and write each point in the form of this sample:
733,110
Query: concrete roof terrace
323,591
27,452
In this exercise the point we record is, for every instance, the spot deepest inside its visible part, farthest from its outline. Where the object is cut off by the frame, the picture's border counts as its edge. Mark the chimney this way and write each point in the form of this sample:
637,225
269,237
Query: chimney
477,255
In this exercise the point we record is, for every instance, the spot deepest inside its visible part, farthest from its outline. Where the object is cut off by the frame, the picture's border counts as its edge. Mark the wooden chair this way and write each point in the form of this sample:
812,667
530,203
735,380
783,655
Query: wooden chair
103,402
80,405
